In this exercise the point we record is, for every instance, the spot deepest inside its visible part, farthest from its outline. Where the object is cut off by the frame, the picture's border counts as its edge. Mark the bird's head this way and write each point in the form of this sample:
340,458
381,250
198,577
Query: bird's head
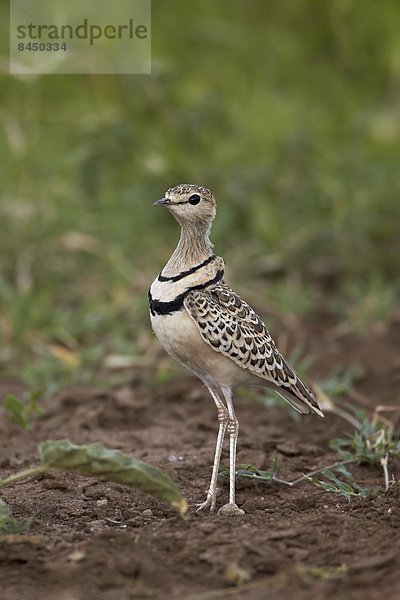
190,204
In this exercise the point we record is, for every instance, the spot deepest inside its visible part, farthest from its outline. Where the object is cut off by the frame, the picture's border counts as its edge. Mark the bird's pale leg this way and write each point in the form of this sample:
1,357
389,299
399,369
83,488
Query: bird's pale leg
233,430
223,422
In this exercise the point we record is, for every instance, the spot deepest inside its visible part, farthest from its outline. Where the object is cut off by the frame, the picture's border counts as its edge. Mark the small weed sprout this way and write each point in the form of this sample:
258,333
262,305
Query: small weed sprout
372,442
10,525
334,485
26,412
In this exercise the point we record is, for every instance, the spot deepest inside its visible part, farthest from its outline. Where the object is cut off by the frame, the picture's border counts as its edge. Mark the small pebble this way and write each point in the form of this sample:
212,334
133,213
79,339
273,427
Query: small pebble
175,457
76,556
147,512
102,502
230,510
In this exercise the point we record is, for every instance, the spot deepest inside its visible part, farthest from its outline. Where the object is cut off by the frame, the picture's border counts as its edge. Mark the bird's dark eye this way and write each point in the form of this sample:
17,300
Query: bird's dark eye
194,199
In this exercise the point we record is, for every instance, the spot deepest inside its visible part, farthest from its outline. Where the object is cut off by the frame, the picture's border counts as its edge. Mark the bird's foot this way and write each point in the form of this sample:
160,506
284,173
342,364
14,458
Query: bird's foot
230,510
210,503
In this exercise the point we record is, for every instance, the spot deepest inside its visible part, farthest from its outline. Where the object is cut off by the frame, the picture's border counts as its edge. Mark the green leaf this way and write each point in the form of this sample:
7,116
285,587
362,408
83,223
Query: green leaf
340,468
8,524
24,413
247,467
267,475
328,487
4,510
322,573
275,464
113,465
342,486
341,446
336,486
250,472
16,409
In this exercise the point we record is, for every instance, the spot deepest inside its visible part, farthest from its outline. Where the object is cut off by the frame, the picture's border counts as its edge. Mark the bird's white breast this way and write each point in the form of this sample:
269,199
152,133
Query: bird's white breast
179,334
175,331
181,338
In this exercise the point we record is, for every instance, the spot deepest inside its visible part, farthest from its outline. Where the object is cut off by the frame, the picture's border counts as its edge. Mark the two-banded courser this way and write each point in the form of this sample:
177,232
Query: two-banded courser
209,329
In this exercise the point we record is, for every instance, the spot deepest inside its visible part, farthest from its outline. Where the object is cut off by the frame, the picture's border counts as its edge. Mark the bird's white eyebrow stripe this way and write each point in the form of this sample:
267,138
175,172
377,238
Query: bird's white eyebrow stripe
183,274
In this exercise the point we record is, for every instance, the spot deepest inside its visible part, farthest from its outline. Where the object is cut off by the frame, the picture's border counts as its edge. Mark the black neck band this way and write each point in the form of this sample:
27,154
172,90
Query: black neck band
157,307
188,272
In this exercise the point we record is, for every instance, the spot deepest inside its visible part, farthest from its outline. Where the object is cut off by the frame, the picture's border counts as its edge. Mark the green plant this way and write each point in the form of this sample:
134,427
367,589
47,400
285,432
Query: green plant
24,412
371,443
334,485
113,465
331,483
341,380
10,525
321,573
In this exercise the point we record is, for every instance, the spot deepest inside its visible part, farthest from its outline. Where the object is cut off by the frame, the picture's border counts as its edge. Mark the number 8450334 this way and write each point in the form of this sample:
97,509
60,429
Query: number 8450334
42,47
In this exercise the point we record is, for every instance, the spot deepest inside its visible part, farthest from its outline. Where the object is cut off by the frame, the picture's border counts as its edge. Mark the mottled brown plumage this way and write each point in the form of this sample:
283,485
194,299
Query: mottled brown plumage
232,327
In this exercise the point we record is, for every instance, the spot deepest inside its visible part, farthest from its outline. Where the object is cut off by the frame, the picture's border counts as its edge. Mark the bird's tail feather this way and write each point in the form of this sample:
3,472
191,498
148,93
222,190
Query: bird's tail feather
300,405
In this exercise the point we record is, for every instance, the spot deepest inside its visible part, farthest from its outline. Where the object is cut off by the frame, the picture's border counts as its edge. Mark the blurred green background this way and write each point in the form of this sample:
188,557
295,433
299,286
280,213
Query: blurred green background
289,111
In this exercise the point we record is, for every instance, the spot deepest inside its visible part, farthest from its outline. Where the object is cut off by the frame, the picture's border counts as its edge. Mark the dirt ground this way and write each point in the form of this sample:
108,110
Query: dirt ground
93,540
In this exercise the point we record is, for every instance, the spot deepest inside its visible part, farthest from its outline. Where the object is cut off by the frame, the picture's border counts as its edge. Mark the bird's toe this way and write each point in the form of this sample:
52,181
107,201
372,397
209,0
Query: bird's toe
209,503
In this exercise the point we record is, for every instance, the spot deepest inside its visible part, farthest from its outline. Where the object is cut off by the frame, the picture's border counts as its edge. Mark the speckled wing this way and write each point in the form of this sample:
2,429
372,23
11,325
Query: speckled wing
230,326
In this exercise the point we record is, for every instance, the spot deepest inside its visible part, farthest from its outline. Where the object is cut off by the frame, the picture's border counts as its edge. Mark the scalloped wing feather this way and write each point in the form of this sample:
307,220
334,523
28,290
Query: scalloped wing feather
230,326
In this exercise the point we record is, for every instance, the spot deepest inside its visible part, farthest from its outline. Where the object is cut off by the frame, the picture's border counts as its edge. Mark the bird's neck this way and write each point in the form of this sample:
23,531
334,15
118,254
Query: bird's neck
194,247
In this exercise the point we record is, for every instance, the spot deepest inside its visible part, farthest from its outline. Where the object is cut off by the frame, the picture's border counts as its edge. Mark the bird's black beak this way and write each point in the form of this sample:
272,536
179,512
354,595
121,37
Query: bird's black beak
162,202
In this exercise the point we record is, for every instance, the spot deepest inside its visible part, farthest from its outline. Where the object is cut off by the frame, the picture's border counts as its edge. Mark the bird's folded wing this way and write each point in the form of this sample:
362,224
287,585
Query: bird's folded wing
230,326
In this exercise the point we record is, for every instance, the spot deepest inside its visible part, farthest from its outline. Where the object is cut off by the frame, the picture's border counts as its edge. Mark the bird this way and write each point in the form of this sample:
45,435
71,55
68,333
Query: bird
207,327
